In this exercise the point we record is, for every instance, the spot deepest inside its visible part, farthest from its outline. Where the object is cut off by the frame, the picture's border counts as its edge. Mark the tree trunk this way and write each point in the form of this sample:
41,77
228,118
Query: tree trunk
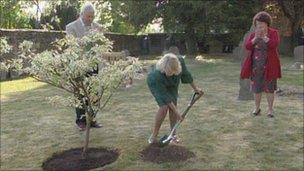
293,10
87,134
191,40
293,42
294,28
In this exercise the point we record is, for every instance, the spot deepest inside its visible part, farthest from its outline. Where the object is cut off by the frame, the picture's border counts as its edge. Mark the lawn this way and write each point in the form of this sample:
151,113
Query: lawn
219,129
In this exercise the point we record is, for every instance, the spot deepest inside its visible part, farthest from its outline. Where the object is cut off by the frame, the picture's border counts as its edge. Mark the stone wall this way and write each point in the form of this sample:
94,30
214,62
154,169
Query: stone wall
43,39
137,45
154,43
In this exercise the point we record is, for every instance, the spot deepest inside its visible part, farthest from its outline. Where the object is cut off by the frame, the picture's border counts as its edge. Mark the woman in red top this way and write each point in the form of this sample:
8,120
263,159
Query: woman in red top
262,64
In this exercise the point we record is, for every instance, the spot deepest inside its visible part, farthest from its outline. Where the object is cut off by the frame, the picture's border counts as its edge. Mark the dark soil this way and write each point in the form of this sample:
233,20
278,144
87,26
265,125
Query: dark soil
73,160
170,153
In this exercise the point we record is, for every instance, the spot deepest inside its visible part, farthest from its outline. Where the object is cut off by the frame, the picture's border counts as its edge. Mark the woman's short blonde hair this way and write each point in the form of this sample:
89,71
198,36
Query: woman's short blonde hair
169,64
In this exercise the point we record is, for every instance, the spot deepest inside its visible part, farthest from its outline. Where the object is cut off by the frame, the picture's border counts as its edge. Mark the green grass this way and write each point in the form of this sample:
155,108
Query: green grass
291,77
219,129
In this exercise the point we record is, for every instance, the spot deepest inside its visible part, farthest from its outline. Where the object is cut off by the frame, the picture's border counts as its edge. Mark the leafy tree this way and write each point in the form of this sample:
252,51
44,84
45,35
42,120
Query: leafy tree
232,16
294,11
115,15
12,16
4,46
109,15
57,14
69,66
184,16
194,18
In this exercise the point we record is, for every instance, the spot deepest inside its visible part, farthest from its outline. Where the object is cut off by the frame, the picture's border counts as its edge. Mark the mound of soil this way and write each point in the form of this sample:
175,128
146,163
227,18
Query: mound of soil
170,153
73,160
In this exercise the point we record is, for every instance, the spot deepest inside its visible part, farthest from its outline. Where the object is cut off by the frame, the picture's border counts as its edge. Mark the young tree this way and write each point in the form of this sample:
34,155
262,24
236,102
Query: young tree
71,65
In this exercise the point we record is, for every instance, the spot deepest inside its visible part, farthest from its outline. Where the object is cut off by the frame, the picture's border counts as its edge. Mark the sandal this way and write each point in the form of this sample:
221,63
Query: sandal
152,140
257,113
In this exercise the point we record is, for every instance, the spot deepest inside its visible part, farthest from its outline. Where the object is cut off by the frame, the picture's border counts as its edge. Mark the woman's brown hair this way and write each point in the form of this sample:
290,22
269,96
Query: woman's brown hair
262,17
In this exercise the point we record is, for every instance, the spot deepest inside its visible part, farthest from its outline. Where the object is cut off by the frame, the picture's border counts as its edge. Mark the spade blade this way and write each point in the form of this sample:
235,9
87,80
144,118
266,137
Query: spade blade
163,142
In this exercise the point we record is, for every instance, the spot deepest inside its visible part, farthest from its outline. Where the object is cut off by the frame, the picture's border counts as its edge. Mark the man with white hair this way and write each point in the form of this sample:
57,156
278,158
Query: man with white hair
79,28
84,24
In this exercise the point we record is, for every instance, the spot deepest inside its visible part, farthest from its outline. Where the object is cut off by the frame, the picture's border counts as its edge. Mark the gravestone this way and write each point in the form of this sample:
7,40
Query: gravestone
239,52
126,52
14,74
3,75
236,52
298,53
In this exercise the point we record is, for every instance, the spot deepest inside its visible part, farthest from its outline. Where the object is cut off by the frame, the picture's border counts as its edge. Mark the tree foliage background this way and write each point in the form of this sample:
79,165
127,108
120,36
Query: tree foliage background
195,18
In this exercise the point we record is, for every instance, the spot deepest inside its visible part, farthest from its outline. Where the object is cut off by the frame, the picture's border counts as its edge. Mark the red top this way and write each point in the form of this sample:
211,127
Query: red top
273,66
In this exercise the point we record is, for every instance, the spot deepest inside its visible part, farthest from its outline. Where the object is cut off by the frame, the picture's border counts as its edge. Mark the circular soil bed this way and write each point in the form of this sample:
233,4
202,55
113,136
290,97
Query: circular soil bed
72,159
170,153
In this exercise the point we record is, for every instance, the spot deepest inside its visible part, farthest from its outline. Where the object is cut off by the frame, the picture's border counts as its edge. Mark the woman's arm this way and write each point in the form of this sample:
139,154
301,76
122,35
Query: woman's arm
258,33
195,88
186,77
250,41
173,107
274,40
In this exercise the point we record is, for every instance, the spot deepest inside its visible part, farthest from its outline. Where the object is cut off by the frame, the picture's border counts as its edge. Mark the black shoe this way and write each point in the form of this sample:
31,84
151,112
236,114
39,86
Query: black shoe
94,124
270,115
257,113
81,125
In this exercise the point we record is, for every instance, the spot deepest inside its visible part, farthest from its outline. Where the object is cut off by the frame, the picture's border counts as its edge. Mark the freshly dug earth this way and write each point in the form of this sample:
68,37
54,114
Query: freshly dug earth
170,153
72,159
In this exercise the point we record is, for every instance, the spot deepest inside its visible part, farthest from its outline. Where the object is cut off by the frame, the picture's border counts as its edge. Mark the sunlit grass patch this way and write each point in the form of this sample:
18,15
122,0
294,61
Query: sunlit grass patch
19,85
205,59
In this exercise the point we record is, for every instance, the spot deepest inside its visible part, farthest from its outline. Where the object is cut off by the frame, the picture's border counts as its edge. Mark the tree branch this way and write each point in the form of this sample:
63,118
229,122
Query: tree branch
108,99
285,10
90,109
53,84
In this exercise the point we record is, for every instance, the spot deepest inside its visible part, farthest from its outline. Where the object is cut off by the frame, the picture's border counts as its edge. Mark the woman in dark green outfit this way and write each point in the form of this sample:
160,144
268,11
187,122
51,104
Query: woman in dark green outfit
163,83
